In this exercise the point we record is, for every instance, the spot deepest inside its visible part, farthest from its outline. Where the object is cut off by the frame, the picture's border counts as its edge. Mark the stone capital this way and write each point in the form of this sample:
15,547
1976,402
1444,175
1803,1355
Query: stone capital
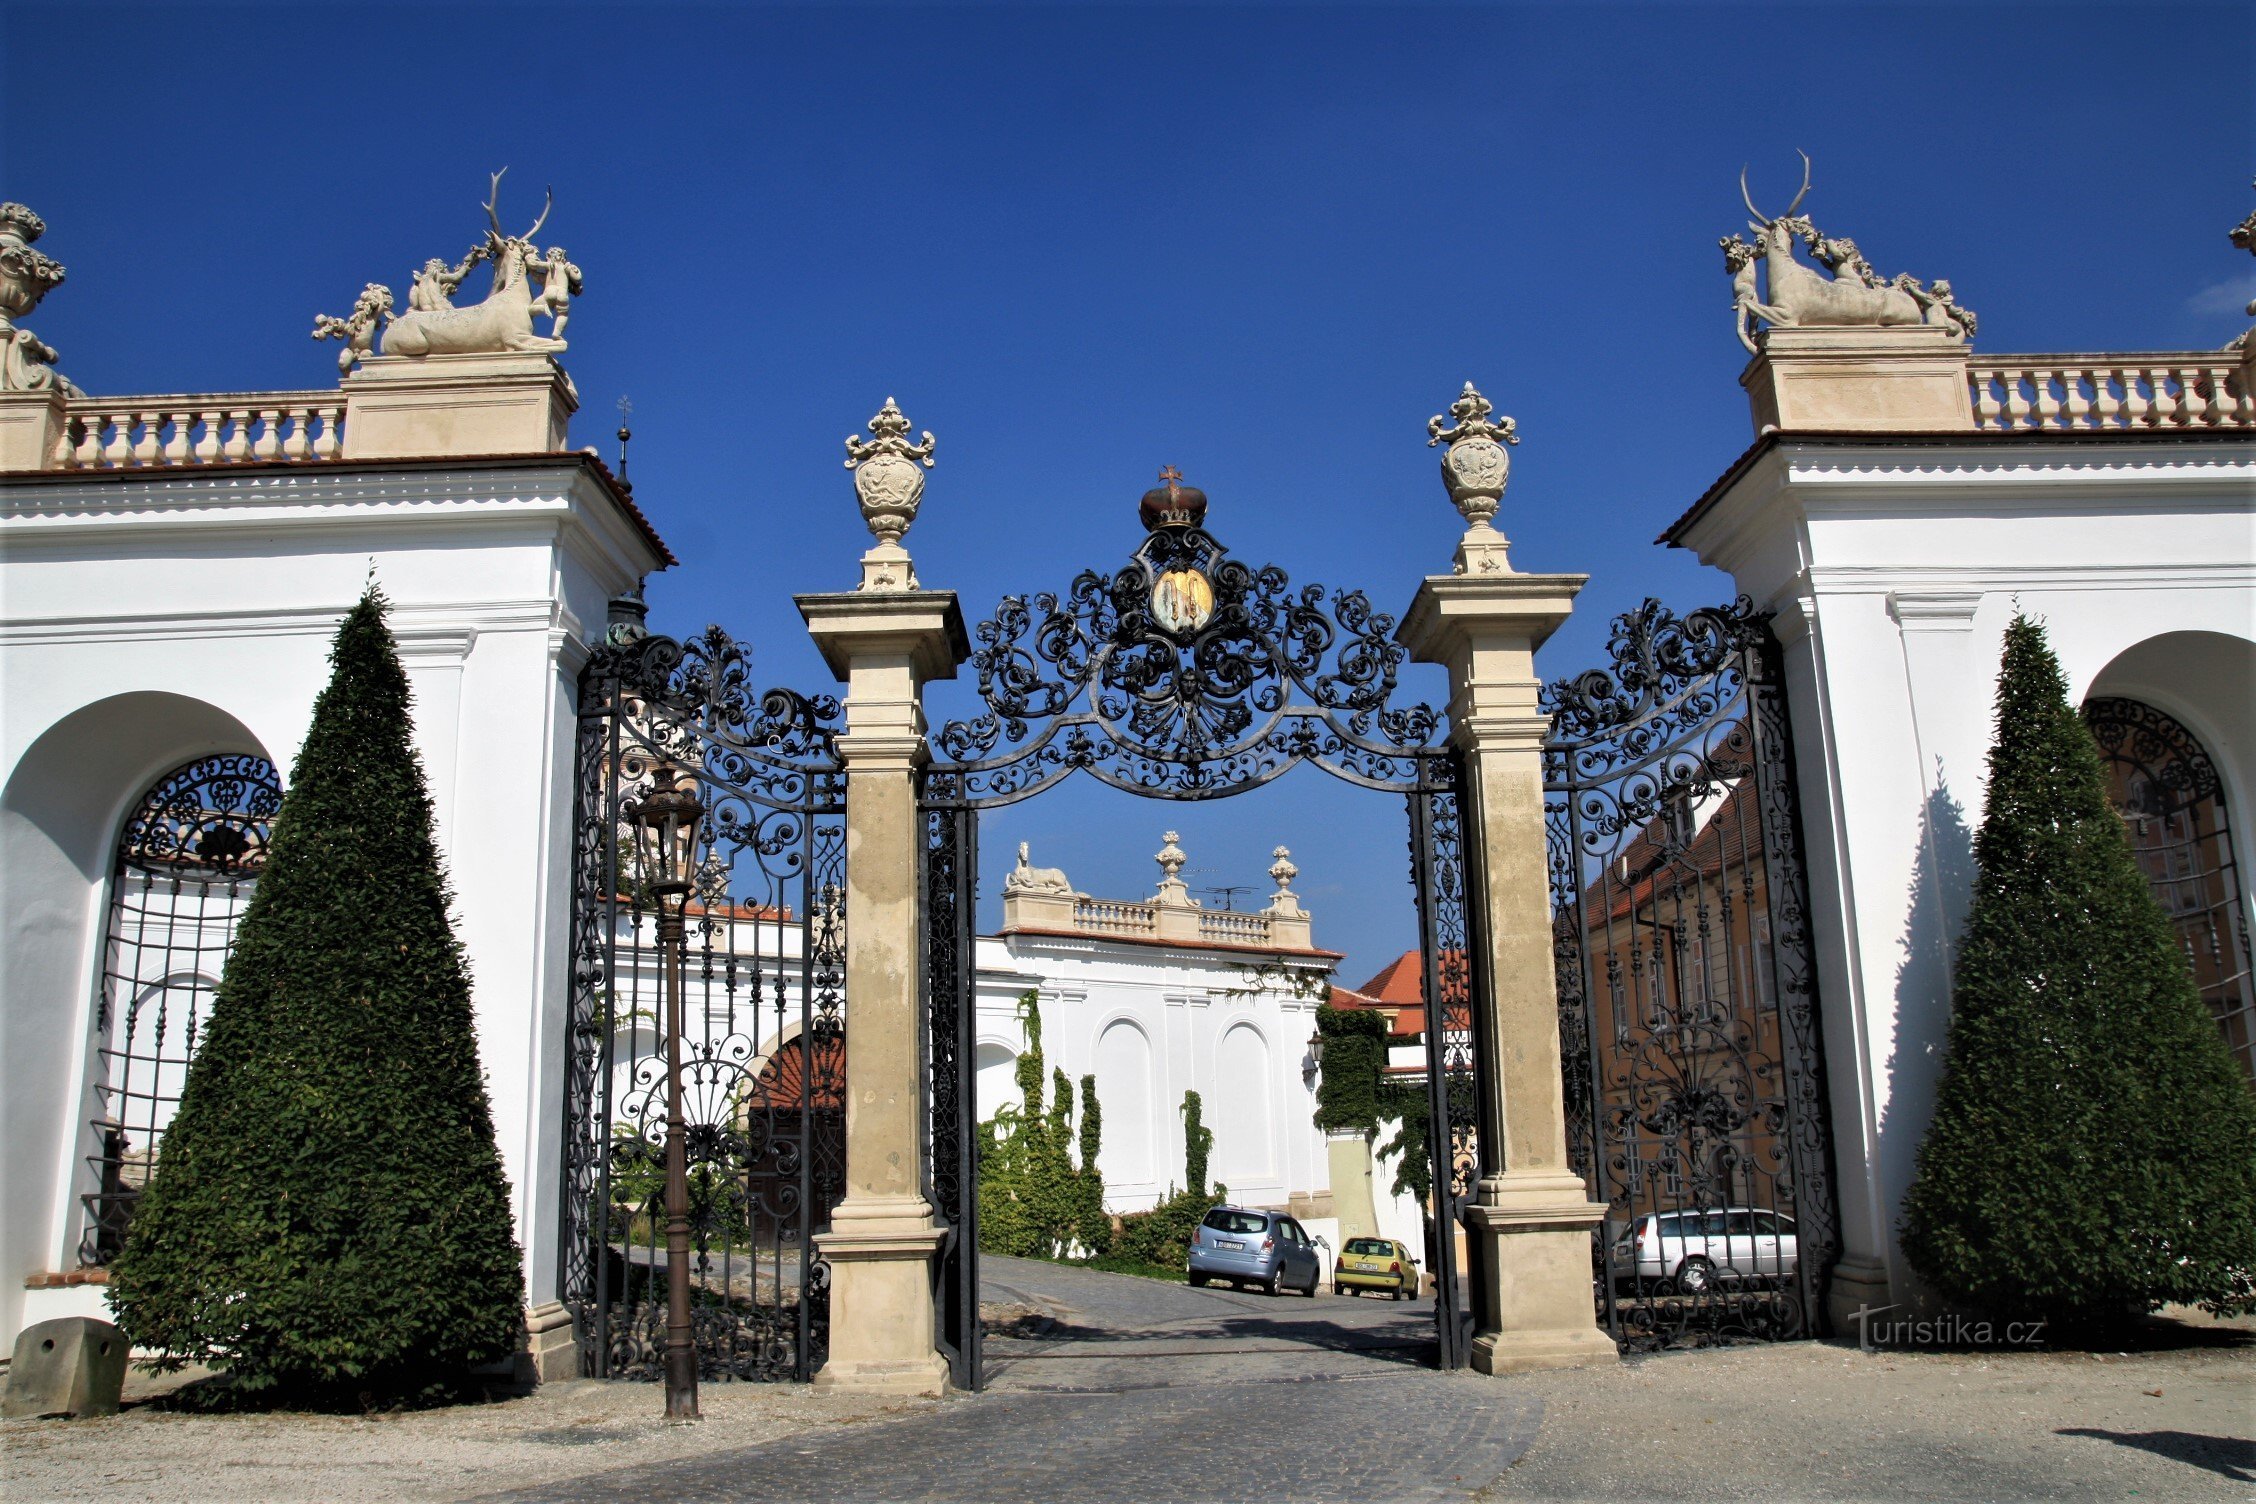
1485,629
1904,378
921,631
417,407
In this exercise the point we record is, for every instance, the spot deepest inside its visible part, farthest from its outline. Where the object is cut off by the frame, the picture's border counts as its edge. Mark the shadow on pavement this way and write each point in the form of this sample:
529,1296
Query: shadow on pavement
2226,1456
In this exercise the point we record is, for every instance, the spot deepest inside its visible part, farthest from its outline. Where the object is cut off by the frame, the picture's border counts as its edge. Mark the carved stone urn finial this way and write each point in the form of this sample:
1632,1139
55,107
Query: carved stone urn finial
1282,872
1173,893
26,276
1476,469
890,487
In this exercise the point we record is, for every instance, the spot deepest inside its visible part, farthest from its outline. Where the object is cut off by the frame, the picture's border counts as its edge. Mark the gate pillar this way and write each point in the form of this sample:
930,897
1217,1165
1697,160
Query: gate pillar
1529,1226
885,644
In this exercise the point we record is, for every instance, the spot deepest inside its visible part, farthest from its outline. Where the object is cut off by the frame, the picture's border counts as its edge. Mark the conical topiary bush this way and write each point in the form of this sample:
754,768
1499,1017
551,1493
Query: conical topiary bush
2093,1149
328,1216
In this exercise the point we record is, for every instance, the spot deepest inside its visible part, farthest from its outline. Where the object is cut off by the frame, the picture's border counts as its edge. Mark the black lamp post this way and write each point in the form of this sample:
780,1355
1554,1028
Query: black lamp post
668,835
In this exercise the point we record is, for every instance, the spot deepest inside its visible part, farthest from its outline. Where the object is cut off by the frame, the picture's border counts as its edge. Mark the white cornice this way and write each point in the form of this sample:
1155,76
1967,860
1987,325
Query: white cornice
435,626
1936,581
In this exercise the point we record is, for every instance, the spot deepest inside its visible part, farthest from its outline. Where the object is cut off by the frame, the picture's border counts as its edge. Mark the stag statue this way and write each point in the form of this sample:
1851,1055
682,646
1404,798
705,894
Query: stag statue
1848,294
432,325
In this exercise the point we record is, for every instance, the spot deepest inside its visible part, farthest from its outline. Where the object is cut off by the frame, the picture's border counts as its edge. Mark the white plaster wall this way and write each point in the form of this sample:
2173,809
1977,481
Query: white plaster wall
1182,1004
1895,571
148,619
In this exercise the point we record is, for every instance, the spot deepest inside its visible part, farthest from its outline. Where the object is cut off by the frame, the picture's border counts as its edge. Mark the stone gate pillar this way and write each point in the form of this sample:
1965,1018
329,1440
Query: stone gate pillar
1530,1222
885,640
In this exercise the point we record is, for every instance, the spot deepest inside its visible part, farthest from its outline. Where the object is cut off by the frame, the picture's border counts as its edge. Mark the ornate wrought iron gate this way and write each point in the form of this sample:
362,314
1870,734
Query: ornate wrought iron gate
1687,1001
1187,675
763,1021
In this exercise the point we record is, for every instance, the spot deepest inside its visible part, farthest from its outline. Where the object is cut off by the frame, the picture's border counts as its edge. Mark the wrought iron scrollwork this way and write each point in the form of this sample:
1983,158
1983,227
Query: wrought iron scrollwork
1186,674
764,1037
183,873
1687,1000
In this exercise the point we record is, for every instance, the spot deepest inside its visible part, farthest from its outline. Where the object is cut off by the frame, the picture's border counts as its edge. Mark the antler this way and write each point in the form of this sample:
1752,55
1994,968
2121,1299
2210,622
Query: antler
535,230
493,197
1797,203
1749,198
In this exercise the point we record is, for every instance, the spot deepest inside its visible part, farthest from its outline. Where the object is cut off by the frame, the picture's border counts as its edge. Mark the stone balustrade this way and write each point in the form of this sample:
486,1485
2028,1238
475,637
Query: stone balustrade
119,433
1225,927
1111,916
2171,389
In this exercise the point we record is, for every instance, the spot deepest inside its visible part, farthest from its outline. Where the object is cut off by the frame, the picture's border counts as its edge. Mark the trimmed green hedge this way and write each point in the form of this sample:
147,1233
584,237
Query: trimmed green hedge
2093,1147
328,1217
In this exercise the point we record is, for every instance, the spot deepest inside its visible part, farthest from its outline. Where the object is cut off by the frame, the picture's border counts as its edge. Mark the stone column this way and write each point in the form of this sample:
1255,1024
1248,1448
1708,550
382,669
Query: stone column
1531,1221
885,641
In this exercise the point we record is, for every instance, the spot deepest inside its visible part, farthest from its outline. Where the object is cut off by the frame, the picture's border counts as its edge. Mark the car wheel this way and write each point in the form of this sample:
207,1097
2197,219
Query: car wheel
1313,1281
1695,1276
1198,1281
1275,1284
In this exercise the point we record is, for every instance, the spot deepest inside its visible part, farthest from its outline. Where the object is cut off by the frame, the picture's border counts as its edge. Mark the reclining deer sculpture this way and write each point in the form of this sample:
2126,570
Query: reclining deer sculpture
503,321
1854,296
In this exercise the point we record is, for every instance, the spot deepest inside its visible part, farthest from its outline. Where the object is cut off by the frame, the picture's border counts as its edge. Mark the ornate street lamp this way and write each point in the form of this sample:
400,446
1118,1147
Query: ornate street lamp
666,833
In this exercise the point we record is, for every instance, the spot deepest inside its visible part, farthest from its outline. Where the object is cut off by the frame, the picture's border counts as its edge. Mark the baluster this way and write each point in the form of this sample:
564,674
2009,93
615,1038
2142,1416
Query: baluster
2075,406
207,447
2104,405
2168,404
89,453
299,444
268,445
119,450
145,446
238,445
2016,405
1986,407
332,440
176,447
2240,411
67,444
2138,409
2048,406
2193,397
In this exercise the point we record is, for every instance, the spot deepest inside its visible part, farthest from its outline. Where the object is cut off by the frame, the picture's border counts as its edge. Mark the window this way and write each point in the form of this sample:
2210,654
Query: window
185,865
2172,802
1222,1220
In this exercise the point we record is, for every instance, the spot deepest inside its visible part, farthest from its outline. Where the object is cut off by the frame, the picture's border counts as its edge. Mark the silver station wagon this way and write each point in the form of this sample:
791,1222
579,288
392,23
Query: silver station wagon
1692,1252
1247,1247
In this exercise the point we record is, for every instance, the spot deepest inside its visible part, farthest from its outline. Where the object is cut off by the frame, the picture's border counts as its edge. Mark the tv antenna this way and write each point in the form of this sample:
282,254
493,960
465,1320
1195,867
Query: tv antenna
1228,893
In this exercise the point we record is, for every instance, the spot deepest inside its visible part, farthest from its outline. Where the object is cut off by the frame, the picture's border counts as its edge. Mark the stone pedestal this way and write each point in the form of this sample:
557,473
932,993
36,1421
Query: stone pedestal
1529,1227
31,425
1906,379
400,406
885,646
73,1366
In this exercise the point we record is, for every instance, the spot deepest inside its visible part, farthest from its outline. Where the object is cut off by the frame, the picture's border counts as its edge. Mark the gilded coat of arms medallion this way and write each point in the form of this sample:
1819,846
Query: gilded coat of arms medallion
1182,601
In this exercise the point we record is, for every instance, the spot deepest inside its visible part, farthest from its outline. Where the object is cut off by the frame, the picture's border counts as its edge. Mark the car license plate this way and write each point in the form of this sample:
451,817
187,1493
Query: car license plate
1226,1243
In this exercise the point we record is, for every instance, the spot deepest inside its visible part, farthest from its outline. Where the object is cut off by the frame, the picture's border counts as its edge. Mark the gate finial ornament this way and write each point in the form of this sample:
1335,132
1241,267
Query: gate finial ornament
890,487
1476,470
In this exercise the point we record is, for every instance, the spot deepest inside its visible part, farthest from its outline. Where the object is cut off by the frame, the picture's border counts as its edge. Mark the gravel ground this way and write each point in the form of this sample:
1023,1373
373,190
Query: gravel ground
149,1456
1826,1421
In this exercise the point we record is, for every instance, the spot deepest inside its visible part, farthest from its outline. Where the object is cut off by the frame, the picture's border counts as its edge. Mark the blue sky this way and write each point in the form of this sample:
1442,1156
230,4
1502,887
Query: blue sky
1262,244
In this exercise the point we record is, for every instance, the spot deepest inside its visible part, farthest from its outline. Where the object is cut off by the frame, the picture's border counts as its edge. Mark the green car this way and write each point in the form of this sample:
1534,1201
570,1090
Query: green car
1376,1264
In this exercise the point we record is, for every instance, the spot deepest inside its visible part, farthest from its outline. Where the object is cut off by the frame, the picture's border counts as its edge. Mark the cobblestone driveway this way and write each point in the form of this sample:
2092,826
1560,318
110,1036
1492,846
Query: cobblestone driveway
1149,1393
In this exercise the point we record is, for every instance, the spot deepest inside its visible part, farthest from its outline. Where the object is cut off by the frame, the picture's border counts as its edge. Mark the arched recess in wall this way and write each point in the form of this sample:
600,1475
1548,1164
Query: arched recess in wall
1128,1154
68,801
2175,726
995,1070
1240,1110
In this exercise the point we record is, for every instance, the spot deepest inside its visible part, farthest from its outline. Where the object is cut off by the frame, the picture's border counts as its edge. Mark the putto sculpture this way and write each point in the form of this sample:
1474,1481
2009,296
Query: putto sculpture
1848,294
26,361
2244,236
500,323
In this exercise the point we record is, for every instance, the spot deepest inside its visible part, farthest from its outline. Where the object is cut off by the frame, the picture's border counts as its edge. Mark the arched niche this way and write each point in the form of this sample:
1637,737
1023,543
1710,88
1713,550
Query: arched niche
60,817
1127,1156
2176,723
1240,1112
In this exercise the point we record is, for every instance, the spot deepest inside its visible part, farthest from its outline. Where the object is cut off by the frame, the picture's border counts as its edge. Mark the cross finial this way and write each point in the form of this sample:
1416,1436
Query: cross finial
1170,474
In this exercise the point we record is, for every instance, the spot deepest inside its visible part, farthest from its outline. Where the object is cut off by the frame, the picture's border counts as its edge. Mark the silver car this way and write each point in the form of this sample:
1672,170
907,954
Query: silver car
1693,1251
1247,1247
